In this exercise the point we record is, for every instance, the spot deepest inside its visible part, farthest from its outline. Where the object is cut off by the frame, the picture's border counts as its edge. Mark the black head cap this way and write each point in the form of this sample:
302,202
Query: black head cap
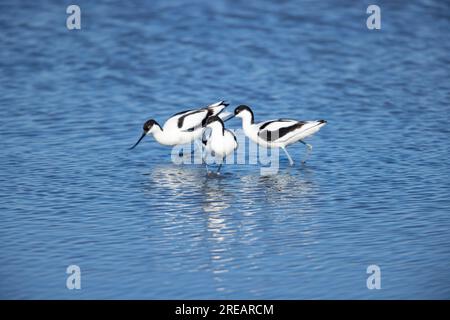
241,108
148,125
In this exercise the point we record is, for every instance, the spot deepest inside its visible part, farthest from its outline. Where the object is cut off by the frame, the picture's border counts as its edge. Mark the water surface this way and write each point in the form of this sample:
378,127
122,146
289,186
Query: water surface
375,190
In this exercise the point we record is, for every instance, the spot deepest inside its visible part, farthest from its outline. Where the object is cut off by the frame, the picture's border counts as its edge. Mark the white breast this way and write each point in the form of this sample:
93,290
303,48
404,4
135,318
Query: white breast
221,144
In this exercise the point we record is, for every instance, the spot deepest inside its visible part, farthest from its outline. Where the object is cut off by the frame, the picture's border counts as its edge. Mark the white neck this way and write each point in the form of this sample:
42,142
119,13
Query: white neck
246,120
216,128
160,136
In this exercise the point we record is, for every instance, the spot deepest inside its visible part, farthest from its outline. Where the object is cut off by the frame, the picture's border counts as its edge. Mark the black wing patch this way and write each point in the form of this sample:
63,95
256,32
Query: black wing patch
277,134
269,122
181,119
191,112
210,112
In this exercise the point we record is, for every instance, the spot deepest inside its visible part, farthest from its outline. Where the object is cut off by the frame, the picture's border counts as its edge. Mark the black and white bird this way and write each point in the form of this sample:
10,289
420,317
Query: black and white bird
218,141
277,133
183,127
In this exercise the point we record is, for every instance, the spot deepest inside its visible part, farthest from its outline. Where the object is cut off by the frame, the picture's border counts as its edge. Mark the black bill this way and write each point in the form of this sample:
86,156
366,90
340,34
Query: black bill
142,137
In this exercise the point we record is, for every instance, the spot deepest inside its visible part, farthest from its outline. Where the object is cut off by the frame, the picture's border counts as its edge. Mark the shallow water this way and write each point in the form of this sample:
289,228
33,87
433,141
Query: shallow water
374,191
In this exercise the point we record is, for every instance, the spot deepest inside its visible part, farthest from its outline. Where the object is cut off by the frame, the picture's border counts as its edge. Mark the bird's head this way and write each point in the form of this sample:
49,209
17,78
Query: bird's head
243,112
148,127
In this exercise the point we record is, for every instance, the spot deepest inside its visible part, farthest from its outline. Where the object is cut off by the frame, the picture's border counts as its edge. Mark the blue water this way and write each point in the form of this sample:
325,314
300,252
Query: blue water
374,191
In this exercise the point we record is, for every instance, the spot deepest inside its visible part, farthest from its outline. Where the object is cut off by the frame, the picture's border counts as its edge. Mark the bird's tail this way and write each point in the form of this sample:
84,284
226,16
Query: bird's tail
314,124
311,127
217,107
220,103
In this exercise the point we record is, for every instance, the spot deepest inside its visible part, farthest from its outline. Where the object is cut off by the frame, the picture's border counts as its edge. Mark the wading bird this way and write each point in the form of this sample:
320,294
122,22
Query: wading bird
277,133
183,127
218,141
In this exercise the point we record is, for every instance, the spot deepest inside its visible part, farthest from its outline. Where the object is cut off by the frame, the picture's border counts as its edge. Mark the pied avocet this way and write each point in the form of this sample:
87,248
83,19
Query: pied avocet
183,127
277,133
218,141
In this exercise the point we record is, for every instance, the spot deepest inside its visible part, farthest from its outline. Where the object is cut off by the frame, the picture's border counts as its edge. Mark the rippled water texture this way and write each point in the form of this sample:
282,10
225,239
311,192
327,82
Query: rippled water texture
375,190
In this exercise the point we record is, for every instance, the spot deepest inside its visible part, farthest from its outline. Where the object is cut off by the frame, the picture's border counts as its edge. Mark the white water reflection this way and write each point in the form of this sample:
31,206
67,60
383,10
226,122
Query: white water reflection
213,219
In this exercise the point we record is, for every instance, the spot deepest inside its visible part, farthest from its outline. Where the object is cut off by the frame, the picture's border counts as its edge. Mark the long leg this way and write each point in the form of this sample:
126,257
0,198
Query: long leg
308,151
220,165
198,145
291,162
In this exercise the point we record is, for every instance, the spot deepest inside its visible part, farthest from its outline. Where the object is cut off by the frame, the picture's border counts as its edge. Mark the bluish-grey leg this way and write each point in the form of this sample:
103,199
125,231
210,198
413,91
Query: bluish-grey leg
291,162
308,149
218,170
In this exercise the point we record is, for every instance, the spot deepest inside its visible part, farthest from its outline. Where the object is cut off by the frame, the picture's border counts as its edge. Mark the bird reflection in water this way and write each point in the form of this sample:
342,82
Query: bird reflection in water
221,228
225,217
